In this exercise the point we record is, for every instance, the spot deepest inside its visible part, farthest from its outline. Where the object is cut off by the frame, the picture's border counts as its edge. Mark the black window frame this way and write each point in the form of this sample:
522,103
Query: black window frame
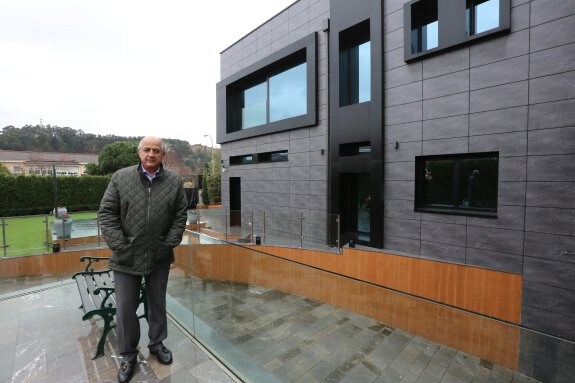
350,39
258,158
420,179
229,91
427,12
452,30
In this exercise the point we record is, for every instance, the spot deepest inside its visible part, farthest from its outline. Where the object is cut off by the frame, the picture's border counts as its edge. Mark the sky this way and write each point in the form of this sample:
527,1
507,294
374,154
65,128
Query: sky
123,67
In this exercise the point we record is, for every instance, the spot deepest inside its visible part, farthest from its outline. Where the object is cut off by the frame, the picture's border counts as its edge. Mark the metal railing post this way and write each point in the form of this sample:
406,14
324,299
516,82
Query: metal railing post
264,235
4,245
47,230
338,237
226,224
98,230
198,220
301,230
252,224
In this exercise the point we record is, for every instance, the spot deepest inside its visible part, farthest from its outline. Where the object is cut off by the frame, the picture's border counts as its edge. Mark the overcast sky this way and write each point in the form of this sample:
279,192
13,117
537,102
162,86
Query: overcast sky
124,67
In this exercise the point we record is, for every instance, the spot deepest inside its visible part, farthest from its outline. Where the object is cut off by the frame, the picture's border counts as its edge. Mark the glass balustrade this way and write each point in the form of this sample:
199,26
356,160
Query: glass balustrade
271,319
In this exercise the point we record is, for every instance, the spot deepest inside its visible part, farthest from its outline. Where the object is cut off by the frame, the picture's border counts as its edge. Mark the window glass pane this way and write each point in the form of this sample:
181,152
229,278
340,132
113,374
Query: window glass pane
279,156
481,16
478,183
424,26
438,184
486,16
254,110
288,93
364,72
430,35
363,207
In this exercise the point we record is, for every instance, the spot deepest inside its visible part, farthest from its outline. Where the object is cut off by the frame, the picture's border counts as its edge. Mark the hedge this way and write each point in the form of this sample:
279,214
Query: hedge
31,195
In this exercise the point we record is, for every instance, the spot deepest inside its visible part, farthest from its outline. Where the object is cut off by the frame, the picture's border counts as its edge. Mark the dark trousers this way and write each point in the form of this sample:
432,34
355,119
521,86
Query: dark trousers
127,322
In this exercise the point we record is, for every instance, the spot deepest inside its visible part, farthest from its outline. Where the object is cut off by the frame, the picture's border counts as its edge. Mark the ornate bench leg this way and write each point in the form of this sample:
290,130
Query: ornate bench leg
105,331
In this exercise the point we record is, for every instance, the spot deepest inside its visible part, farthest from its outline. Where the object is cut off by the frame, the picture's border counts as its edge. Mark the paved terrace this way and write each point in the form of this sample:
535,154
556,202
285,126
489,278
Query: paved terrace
43,339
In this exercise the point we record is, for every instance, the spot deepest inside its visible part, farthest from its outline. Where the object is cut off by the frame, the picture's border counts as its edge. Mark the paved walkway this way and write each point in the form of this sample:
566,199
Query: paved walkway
295,339
44,340
290,338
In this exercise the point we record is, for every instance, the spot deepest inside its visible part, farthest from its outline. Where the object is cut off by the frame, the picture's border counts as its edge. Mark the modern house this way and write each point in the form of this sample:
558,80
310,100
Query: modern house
44,163
434,129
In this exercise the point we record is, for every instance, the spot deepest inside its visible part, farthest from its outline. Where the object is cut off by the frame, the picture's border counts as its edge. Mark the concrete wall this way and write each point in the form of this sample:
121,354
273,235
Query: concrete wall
284,190
514,94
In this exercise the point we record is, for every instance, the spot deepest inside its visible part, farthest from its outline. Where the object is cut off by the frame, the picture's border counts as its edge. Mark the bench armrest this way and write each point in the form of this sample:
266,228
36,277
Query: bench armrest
108,291
92,260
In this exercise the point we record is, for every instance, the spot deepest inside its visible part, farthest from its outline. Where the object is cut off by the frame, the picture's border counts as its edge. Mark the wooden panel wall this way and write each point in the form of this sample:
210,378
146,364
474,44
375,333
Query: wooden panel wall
64,263
486,338
492,293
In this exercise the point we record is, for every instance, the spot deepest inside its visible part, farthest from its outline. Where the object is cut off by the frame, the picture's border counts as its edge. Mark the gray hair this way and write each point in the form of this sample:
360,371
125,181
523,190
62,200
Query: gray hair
163,145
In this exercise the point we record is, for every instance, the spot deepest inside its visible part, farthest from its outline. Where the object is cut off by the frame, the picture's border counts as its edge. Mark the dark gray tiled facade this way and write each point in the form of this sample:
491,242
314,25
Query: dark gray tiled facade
513,93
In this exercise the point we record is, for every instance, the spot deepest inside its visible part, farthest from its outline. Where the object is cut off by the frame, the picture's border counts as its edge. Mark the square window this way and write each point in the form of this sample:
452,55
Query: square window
459,184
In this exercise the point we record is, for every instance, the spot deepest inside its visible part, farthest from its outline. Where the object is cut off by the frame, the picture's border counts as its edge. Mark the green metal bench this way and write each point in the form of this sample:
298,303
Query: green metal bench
97,294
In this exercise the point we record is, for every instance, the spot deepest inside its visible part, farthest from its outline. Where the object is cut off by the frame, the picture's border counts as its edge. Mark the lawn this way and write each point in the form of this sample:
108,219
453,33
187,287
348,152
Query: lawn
27,235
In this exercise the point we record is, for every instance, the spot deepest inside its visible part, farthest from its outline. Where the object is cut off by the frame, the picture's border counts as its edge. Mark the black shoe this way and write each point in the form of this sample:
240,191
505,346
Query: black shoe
126,371
163,355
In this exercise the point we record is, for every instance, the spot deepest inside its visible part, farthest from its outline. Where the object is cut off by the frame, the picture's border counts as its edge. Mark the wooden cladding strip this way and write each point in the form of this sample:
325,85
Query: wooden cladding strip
488,292
64,263
486,338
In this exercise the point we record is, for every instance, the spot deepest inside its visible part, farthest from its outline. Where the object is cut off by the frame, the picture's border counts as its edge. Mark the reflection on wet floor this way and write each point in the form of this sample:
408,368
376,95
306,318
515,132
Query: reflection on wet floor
295,339
44,340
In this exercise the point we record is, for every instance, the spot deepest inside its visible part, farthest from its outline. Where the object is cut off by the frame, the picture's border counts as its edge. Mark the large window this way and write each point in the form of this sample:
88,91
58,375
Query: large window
282,95
481,16
424,26
461,184
355,64
275,94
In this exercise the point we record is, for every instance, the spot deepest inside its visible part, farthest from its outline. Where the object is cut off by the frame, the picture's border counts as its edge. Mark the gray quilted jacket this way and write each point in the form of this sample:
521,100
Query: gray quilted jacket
142,221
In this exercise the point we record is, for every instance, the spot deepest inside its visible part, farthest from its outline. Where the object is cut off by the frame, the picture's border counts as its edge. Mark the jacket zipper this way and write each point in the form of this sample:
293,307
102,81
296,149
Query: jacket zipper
147,229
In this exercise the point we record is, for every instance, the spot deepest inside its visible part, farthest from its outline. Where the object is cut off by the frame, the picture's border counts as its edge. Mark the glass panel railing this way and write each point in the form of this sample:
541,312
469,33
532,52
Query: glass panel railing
305,229
29,235
273,320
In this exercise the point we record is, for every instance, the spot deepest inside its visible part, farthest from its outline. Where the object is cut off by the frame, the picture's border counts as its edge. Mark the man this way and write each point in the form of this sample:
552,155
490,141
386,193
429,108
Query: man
143,216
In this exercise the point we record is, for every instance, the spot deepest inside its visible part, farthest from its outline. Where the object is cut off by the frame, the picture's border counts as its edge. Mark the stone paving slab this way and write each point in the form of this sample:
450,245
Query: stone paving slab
44,340
296,339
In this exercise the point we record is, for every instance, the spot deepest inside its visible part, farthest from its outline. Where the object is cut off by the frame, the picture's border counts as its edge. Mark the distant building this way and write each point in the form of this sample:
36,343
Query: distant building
43,163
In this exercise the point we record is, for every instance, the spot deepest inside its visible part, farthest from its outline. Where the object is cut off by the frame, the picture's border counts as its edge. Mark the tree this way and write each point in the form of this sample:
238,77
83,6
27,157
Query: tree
205,189
114,157
4,169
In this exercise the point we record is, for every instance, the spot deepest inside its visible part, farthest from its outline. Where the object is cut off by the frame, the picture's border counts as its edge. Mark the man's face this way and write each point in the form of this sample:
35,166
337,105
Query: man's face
151,154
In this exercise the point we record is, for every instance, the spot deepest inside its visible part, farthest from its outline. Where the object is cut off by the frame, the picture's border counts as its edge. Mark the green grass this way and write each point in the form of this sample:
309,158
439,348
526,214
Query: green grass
27,235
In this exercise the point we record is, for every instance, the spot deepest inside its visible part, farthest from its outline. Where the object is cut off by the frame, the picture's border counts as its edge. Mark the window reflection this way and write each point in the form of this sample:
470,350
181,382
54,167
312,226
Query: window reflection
254,110
481,16
288,93
364,69
458,182
355,64
424,26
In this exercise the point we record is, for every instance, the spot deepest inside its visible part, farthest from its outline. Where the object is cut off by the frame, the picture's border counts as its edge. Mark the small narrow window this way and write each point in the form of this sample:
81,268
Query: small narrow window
424,26
481,16
280,155
355,64
241,160
354,149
